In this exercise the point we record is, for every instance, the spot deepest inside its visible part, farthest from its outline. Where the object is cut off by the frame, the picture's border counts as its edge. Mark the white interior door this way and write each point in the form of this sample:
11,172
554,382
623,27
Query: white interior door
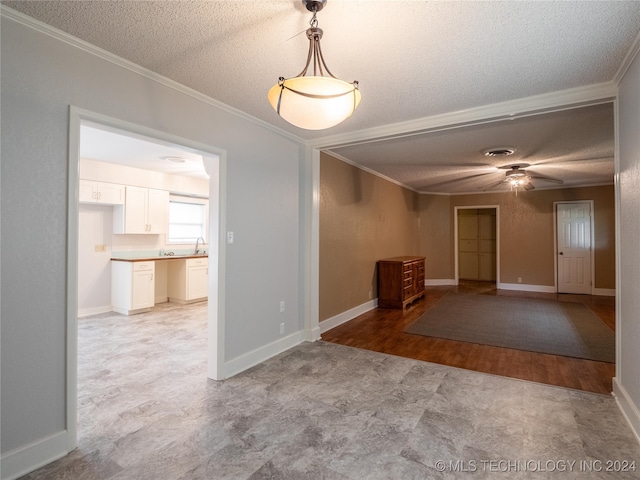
574,247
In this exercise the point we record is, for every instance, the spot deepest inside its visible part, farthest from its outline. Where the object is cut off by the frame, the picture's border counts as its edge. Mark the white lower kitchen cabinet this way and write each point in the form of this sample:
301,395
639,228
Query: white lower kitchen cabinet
188,280
132,286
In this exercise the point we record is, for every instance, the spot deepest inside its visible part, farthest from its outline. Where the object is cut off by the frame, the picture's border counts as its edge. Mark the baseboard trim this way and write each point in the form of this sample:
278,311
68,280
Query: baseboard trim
347,315
627,407
436,282
124,311
25,459
604,292
313,334
86,312
526,288
259,355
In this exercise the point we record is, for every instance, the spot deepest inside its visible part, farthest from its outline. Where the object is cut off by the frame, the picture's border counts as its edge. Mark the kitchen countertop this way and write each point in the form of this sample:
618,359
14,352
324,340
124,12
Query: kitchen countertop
157,257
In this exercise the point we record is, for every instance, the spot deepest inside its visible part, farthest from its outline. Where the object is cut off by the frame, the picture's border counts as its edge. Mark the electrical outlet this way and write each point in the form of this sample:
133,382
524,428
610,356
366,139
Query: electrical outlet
100,248
281,328
229,237
282,306
519,279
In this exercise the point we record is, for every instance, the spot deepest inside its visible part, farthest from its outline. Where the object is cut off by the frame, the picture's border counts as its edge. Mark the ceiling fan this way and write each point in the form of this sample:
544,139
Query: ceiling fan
517,177
519,174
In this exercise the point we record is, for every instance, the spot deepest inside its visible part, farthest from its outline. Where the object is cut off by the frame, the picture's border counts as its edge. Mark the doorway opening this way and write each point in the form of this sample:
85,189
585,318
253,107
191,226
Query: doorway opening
476,237
211,160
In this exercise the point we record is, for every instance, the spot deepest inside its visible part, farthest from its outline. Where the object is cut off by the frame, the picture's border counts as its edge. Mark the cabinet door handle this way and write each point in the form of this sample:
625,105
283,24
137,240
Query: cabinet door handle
99,195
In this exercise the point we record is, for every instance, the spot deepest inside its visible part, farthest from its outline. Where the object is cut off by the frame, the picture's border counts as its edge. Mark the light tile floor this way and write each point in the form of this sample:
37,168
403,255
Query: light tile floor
319,411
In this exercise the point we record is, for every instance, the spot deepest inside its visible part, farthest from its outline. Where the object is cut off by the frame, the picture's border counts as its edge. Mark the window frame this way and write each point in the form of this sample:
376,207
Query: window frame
173,198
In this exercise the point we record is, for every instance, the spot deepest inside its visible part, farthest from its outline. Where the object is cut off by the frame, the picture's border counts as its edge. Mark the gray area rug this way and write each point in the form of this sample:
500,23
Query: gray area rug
545,326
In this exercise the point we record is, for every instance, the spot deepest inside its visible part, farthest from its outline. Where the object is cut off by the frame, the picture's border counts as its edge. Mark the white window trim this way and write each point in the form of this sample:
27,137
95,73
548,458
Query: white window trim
189,199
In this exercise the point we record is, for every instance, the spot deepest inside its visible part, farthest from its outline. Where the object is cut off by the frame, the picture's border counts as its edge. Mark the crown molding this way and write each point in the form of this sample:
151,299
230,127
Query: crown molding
632,53
41,27
369,170
509,110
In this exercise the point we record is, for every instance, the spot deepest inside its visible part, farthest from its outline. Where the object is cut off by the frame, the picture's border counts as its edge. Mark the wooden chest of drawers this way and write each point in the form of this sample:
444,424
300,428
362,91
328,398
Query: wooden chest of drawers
400,281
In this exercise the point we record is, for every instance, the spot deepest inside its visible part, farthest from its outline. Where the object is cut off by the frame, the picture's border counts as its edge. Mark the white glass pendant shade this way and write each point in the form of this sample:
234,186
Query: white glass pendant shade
314,102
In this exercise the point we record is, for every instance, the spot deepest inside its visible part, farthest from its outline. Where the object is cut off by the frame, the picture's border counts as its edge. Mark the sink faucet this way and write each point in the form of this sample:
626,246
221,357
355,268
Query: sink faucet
195,252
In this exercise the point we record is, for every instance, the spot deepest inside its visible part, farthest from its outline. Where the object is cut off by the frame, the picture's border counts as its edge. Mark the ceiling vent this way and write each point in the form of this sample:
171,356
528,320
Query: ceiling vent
499,152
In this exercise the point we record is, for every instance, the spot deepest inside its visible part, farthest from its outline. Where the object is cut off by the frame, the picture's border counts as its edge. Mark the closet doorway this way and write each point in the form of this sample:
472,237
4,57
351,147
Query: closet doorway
476,234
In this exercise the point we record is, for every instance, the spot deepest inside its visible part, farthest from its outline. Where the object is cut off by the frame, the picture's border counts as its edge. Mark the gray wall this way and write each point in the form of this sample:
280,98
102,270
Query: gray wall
628,368
41,77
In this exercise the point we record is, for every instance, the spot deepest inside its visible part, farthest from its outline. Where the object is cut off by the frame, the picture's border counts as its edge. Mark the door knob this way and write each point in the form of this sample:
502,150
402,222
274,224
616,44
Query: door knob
561,253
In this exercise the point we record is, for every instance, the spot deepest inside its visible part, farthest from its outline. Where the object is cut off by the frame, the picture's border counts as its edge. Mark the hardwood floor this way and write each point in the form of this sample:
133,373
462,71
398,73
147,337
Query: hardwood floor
382,330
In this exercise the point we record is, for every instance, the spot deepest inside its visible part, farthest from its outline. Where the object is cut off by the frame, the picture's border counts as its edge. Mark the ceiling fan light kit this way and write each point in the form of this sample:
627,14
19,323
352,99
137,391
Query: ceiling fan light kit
517,177
314,102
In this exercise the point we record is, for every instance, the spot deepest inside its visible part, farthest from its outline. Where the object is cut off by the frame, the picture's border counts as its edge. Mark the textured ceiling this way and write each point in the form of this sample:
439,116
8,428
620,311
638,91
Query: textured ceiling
413,60
575,146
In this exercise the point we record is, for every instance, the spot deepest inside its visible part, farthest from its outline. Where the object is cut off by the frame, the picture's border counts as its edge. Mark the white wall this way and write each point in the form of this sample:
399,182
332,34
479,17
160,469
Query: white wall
41,78
94,268
627,382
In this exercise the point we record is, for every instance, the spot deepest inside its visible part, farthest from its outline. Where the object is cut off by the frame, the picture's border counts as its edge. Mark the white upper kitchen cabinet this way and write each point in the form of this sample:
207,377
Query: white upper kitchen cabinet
145,210
98,192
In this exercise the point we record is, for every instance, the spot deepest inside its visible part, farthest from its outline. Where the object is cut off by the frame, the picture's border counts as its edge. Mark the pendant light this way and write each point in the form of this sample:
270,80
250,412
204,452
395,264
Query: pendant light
317,101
